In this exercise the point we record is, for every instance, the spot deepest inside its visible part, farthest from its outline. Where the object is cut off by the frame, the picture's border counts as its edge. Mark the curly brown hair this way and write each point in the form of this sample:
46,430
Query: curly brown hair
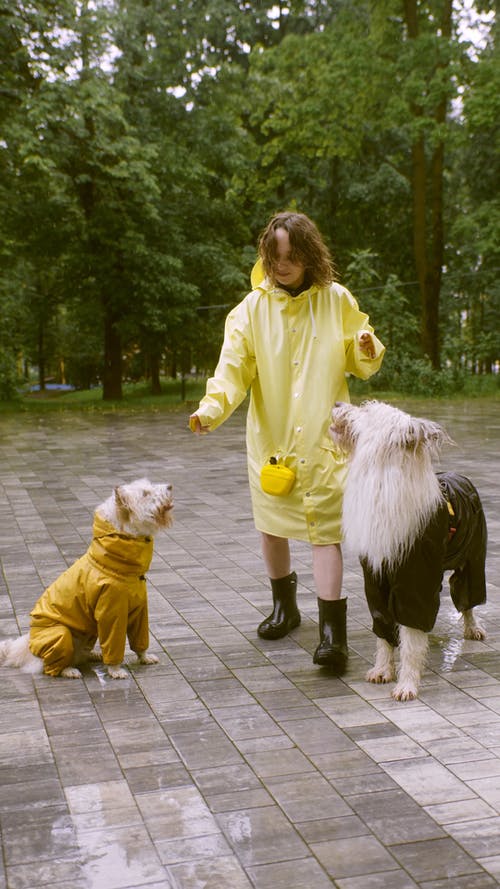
306,246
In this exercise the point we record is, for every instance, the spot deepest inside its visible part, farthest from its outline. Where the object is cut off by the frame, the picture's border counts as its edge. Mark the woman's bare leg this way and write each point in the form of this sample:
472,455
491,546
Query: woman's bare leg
276,554
328,571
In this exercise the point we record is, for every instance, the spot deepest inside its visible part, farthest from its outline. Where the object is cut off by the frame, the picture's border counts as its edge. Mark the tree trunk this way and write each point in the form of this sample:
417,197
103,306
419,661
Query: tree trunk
154,364
41,356
427,187
434,270
112,375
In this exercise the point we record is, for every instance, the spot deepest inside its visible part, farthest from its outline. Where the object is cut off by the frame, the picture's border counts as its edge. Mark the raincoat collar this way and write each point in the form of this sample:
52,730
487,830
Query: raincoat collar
117,552
259,281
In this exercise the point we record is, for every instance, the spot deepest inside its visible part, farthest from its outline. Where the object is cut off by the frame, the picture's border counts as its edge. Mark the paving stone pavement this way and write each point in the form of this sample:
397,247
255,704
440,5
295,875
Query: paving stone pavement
235,762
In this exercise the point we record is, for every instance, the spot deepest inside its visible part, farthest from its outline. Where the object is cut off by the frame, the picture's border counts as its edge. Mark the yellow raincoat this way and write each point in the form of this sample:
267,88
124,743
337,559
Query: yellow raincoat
101,596
293,354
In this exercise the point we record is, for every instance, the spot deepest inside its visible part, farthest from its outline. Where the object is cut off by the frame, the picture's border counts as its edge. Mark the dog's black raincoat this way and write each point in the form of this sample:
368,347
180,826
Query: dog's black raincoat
408,594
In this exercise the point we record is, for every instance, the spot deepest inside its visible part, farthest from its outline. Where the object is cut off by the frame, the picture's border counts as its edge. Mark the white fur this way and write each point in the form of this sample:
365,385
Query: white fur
473,629
391,493
384,669
413,645
138,509
16,653
392,489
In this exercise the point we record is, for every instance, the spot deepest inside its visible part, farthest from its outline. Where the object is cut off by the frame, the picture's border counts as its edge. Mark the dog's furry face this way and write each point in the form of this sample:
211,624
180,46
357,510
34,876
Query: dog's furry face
354,424
139,508
390,457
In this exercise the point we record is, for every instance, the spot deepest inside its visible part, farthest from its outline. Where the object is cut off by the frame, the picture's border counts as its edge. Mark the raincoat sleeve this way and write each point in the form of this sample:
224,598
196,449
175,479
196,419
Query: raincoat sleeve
356,322
234,373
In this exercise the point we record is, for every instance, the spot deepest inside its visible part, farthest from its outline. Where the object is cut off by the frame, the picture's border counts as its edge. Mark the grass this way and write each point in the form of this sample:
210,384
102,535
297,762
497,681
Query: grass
138,397
485,387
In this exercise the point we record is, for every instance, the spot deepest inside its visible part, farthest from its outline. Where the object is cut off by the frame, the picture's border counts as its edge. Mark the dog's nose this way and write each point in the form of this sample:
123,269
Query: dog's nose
339,403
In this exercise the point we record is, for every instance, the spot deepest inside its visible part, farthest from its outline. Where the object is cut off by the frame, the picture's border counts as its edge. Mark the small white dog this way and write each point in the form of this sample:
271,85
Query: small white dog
408,524
103,595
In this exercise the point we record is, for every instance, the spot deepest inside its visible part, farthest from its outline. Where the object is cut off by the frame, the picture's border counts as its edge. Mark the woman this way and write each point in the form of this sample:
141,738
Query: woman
291,341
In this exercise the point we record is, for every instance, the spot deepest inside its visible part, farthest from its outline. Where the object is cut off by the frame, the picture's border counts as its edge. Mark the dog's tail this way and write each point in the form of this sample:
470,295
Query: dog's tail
16,653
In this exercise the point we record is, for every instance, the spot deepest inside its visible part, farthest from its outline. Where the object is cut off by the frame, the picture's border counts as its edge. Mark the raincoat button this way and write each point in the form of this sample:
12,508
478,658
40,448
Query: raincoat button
299,429
302,461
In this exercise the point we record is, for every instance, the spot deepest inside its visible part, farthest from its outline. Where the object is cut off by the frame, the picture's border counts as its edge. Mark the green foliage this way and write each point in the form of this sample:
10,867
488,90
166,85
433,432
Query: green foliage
418,377
9,379
389,309
144,146
14,319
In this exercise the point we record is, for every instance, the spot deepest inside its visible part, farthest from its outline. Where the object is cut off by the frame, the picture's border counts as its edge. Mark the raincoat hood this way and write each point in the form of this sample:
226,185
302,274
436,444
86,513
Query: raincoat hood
117,552
257,275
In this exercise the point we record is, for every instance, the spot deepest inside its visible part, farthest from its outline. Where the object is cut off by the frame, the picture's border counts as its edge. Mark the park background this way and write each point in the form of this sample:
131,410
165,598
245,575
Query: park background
144,145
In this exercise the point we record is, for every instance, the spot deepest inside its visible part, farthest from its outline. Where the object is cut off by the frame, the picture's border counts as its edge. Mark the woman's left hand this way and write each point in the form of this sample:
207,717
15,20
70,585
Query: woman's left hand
366,344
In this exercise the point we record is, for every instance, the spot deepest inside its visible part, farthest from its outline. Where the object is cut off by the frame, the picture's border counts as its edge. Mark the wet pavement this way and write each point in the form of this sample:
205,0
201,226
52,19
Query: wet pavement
235,762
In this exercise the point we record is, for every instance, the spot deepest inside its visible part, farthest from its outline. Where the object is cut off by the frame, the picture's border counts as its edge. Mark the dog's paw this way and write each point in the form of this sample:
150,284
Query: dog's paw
118,673
94,657
404,692
144,658
380,676
71,673
477,633
473,629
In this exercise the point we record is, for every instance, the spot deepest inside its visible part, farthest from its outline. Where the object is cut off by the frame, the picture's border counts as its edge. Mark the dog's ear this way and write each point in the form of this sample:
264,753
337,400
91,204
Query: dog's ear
428,434
436,435
122,506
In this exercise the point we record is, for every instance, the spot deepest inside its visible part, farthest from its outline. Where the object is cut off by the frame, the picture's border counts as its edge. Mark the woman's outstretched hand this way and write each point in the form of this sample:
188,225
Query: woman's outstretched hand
195,425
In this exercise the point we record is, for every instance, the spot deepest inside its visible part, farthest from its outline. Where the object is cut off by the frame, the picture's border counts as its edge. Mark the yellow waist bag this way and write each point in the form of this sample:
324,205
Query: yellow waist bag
276,478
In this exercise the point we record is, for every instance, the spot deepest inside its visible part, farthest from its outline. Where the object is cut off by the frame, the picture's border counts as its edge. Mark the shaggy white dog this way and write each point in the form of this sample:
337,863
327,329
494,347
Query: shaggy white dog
103,595
408,525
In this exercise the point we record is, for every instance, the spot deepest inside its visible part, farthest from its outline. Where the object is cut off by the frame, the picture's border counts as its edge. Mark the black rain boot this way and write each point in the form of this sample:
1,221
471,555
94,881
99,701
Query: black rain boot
332,649
285,616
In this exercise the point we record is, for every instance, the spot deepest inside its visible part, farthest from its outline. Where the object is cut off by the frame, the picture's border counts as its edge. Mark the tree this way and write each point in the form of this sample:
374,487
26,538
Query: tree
352,122
473,292
189,251
144,147
428,99
36,206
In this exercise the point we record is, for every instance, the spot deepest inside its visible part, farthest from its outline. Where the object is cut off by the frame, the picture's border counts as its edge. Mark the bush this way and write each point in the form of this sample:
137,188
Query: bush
415,376
9,381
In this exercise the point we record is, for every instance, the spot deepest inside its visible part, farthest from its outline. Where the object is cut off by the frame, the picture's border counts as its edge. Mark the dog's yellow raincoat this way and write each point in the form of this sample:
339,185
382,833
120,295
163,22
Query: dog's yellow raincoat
102,596
293,354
